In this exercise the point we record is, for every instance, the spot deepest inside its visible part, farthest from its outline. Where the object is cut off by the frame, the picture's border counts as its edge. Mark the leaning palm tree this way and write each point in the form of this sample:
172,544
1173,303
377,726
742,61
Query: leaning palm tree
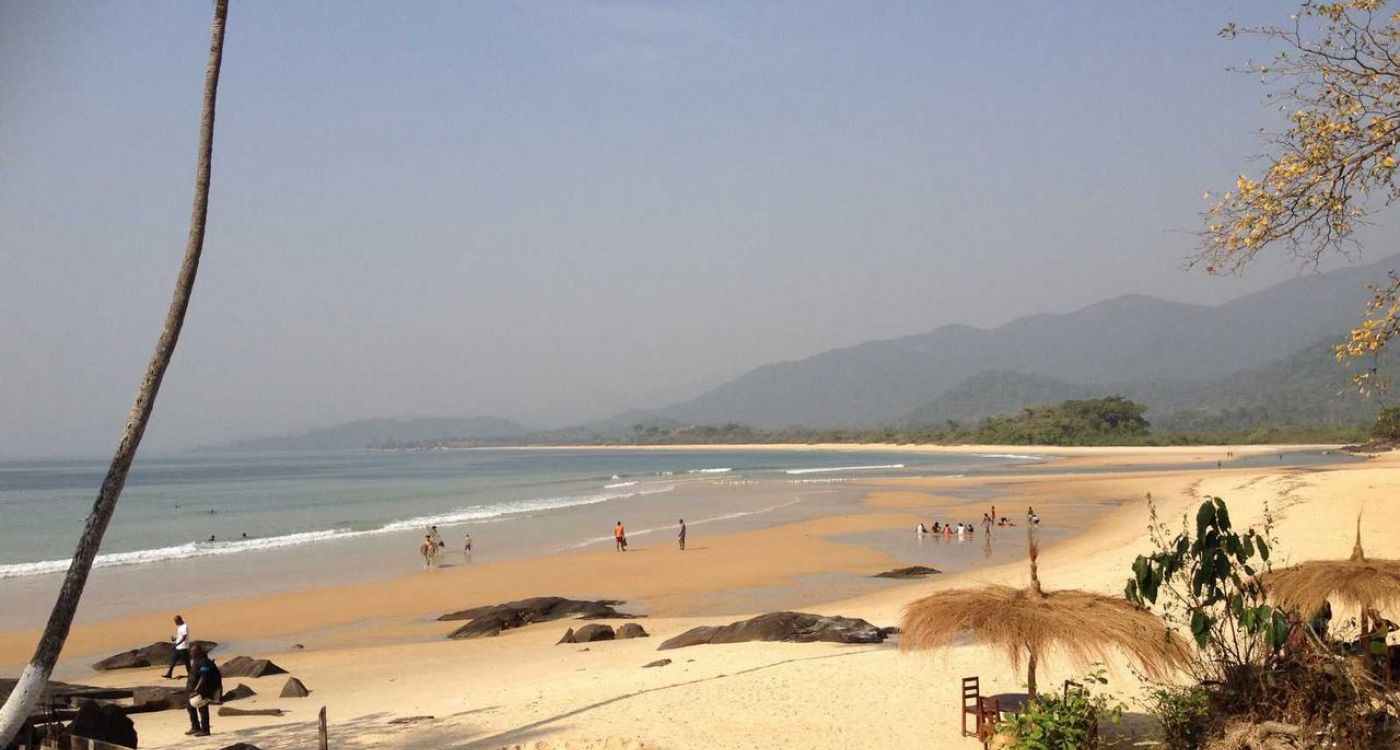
1029,623
27,691
1356,581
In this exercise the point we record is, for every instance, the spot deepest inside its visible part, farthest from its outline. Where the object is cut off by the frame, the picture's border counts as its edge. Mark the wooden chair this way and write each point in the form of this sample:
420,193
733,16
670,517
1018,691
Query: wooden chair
988,714
971,704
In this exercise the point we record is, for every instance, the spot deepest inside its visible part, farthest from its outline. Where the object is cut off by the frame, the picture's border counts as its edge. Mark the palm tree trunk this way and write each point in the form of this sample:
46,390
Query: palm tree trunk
30,687
1030,675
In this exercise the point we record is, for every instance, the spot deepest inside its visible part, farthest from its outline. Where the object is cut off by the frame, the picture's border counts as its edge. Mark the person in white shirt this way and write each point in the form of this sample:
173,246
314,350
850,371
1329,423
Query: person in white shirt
181,653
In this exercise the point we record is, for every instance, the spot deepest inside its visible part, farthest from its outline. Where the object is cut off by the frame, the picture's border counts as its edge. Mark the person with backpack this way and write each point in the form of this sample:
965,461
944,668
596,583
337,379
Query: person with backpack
205,685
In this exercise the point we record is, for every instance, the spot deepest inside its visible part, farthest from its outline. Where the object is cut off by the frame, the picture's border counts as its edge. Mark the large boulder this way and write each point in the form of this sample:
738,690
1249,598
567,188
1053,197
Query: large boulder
155,655
913,571
105,722
63,693
239,693
631,630
152,698
247,666
294,689
485,622
794,627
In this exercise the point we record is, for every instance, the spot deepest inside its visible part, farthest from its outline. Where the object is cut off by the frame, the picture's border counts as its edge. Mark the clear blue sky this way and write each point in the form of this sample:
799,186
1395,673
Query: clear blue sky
552,211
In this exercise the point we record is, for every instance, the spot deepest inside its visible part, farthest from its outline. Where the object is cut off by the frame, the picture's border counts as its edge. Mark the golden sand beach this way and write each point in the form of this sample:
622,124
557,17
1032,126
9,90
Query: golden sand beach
374,652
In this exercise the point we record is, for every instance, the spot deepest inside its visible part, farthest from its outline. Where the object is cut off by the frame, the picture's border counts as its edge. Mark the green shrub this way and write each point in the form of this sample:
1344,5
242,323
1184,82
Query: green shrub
1184,713
1387,426
1063,722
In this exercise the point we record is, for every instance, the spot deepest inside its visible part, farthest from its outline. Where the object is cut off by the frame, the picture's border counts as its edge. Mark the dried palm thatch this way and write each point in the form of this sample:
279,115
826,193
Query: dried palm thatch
1029,623
1357,581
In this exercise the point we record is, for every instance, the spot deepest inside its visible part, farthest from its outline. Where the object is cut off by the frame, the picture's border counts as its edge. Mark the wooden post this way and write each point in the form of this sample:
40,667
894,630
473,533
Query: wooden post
325,743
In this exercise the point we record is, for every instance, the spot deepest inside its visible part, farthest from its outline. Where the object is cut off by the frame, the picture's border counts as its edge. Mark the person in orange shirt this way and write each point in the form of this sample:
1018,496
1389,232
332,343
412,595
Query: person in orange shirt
620,536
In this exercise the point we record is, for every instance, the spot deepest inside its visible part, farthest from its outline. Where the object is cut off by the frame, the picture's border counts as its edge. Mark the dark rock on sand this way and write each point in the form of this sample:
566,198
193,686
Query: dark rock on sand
231,711
239,693
410,719
914,571
105,722
485,622
631,630
294,689
155,655
889,631
794,627
594,632
568,638
247,666
151,698
657,663
239,745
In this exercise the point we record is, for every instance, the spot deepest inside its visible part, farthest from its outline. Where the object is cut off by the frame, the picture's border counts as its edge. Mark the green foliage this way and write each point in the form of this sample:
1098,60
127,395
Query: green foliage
1064,722
1096,421
1211,575
1184,713
1387,426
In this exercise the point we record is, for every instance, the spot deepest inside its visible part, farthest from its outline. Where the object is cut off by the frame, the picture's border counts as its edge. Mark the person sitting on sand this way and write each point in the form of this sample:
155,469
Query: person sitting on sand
620,536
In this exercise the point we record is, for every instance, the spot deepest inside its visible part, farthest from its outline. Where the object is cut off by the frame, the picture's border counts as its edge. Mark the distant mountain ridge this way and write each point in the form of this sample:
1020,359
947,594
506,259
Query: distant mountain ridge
365,432
1305,388
1124,340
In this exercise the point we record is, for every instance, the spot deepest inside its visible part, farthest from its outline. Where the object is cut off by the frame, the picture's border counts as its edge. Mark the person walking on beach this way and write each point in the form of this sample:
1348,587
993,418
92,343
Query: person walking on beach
620,536
680,539
181,653
467,547
204,684
428,550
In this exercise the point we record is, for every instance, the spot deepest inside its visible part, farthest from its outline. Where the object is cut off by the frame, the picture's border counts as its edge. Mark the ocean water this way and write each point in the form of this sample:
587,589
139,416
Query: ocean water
248,504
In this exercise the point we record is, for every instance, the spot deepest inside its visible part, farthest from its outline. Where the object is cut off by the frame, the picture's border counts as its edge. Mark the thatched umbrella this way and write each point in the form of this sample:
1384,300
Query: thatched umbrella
1356,581
1030,622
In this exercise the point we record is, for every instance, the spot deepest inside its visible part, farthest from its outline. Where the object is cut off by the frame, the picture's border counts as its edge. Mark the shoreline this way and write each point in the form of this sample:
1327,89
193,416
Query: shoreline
520,687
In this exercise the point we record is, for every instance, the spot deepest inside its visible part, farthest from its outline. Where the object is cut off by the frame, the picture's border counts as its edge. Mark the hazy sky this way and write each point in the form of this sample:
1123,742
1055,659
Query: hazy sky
553,211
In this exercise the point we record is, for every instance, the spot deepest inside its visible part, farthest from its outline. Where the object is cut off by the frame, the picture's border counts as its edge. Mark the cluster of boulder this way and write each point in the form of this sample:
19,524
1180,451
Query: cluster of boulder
490,621
600,632
102,714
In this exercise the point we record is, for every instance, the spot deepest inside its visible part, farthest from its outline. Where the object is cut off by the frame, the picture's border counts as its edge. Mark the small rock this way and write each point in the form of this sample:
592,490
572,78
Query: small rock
914,571
247,666
239,693
657,663
410,719
631,630
568,637
891,630
297,647
594,632
239,745
294,689
231,711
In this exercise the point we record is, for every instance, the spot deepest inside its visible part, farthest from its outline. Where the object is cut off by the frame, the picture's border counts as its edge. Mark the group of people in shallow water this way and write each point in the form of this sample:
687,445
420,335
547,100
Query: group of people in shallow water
962,530
432,547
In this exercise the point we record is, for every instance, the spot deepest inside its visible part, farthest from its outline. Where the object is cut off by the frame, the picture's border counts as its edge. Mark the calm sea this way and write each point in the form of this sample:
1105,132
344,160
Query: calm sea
173,507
